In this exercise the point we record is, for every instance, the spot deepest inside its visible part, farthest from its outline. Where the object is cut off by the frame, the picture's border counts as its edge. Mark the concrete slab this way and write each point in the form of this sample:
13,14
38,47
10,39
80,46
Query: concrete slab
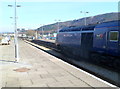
45,70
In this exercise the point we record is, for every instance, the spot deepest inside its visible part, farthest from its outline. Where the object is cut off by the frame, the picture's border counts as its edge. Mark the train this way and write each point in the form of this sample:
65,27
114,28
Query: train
99,42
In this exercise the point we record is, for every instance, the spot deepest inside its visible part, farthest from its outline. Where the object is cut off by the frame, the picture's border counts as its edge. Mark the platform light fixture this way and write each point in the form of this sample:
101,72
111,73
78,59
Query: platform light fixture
85,12
42,30
58,21
15,30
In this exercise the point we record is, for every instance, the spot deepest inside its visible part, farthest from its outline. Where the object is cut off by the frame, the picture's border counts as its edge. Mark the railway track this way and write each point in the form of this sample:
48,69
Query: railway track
47,44
103,72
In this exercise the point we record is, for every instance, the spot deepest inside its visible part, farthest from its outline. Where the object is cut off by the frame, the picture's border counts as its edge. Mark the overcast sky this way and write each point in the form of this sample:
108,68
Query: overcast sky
33,14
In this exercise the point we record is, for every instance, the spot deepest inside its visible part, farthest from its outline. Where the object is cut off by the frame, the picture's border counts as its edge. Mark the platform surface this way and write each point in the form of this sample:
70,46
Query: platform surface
37,68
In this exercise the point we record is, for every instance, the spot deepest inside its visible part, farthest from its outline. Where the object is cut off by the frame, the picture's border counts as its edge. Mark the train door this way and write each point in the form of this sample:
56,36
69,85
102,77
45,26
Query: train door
112,43
86,44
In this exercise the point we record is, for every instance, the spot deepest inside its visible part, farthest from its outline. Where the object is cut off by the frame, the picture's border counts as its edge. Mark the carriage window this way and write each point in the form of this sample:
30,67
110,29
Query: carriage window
113,36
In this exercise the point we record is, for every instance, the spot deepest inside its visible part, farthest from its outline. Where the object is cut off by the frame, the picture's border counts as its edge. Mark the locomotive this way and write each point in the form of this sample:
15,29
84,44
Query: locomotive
98,41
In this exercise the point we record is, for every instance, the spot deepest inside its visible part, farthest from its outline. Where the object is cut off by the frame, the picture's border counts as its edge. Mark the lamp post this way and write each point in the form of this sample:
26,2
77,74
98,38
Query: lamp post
58,23
36,34
85,16
42,29
15,30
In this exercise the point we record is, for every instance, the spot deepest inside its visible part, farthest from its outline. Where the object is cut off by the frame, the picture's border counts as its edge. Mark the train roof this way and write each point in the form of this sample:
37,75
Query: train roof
91,27
109,24
80,28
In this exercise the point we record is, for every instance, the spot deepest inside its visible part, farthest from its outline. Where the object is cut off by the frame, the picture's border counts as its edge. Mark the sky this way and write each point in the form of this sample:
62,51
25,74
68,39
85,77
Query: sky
35,13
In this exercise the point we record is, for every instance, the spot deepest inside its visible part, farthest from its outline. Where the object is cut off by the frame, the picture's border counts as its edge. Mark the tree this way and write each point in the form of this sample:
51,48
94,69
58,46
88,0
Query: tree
30,33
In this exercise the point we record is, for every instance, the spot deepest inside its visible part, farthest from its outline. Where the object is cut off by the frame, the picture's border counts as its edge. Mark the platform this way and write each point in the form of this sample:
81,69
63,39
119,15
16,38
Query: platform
37,68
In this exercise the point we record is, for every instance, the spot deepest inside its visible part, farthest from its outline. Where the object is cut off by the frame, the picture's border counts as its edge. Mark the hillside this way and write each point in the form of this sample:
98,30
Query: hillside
79,22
